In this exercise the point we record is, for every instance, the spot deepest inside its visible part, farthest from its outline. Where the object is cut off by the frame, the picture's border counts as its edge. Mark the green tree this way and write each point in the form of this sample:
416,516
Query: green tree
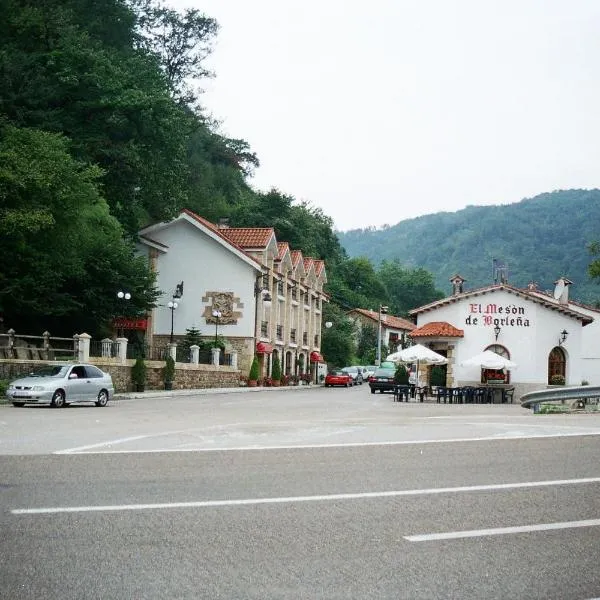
367,345
67,253
337,346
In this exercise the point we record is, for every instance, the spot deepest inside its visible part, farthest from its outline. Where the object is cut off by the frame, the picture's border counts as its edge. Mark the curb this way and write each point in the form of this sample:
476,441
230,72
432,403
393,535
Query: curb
207,391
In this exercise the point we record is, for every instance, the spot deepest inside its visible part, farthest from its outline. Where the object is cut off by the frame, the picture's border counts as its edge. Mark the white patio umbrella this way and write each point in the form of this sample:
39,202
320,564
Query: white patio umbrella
418,354
489,360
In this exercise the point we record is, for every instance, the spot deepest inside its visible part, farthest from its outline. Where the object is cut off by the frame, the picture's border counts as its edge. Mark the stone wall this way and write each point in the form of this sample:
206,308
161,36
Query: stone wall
187,376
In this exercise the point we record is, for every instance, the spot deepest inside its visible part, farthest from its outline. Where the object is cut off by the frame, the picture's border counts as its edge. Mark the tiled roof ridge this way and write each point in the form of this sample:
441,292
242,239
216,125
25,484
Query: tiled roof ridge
551,299
218,232
494,287
401,323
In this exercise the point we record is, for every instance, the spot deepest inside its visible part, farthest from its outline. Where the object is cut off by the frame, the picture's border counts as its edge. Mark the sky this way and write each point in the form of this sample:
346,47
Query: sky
380,111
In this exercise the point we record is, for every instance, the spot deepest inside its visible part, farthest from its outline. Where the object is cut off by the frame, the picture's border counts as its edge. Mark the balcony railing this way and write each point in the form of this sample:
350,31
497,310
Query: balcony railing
264,329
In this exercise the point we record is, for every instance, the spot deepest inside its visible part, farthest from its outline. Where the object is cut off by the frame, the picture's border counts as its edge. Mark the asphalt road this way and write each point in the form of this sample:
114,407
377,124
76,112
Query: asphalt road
304,494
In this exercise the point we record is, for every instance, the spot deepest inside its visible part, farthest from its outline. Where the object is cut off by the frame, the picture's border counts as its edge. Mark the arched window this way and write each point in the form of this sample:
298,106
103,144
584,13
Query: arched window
496,375
557,363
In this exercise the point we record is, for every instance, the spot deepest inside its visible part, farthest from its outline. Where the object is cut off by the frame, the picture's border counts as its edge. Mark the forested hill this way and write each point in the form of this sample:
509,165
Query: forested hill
539,239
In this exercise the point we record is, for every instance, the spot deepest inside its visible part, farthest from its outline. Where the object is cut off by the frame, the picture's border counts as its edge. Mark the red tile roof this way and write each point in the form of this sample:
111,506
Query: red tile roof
308,262
249,237
437,329
282,248
389,321
563,308
296,257
319,264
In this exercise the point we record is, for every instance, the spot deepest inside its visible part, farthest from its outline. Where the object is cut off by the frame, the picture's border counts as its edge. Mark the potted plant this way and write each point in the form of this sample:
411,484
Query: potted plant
557,380
401,375
138,374
168,372
254,373
276,373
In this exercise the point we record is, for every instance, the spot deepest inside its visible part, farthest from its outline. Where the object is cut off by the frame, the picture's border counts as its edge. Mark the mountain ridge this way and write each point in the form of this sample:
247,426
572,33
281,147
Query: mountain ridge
539,239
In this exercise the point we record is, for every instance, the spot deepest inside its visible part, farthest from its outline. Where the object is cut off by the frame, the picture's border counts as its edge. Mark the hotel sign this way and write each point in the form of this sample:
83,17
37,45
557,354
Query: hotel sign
507,315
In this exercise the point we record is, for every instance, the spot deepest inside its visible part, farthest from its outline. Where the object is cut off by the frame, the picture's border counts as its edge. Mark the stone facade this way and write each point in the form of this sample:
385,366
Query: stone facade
187,376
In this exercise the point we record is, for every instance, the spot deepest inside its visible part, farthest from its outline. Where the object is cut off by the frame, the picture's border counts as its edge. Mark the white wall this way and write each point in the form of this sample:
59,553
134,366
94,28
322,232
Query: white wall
590,347
205,266
528,340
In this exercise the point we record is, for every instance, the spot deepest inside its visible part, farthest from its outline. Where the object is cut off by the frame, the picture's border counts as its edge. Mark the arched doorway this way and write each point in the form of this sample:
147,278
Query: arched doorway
288,363
557,363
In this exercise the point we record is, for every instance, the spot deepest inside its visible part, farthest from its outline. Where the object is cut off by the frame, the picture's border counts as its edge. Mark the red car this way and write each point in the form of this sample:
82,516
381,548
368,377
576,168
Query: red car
338,378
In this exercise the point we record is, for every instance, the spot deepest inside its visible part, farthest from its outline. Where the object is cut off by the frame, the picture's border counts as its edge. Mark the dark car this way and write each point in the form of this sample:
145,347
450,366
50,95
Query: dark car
338,378
382,380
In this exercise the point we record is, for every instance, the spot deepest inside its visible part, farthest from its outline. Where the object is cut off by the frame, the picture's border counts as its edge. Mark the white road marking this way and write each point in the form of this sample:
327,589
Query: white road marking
490,438
456,535
293,499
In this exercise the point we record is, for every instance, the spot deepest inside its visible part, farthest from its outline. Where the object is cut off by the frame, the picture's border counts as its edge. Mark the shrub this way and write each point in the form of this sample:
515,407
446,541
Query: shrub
438,376
169,369
401,375
276,369
3,387
557,380
138,372
254,370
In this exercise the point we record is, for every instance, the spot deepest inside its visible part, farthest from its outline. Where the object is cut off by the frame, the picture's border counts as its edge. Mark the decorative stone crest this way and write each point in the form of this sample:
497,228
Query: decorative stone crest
224,302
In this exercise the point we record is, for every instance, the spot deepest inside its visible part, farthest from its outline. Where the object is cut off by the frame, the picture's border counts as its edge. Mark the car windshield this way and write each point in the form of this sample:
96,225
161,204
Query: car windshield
50,371
337,373
349,369
385,372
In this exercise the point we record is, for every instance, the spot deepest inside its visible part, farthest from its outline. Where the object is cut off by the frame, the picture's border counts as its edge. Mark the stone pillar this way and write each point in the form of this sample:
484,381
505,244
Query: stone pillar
83,350
46,336
234,359
121,349
195,352
106,348
216,353
173,351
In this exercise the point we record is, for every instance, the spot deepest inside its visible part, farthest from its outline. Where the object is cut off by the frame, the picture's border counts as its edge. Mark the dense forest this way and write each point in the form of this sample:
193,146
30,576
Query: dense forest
538,239
101,132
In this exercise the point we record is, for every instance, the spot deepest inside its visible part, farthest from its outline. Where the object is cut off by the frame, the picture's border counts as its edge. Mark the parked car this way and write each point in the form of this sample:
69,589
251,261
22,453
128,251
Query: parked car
62,384
338,377
382,380
370,370
355,373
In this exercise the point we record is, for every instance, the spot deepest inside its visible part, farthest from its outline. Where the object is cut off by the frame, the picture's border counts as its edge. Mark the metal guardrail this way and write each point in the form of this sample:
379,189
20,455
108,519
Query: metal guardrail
582,392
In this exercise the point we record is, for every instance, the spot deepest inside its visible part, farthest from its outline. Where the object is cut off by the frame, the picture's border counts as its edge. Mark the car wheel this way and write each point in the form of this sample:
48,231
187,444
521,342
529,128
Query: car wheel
19,404
58,399
102,398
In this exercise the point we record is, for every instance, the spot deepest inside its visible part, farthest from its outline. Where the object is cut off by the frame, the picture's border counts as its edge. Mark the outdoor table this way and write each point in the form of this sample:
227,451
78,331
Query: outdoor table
401,392
497,390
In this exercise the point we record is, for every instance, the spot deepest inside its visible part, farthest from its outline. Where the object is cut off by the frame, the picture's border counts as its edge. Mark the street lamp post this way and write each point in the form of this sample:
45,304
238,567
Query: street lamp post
217,315
123,296
382,311
172,307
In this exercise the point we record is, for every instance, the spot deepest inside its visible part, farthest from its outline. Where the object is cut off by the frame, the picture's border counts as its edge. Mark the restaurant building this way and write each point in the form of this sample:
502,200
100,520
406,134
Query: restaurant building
544,334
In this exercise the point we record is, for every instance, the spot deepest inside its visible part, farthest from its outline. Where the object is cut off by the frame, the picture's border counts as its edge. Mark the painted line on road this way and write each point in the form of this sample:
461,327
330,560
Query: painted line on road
295,499
490,438
456,535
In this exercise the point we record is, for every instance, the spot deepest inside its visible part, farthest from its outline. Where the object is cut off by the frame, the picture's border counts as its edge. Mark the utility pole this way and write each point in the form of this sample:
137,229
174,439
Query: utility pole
382,311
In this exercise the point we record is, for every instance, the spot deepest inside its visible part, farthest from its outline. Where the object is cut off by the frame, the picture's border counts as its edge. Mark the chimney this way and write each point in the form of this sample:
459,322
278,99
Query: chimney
457,284
532,286
561,290
223,223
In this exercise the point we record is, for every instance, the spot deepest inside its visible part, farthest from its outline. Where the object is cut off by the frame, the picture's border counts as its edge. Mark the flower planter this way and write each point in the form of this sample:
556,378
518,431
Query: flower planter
252,382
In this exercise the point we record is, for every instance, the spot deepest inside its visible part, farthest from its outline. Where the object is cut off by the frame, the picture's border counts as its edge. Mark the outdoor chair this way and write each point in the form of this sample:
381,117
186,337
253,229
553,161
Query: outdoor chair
401,393
507,395
442,392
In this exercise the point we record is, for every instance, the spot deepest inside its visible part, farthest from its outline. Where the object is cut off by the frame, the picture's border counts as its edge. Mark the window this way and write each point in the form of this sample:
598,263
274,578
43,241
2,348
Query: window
496,375
557,362
305,338
280,288
93,371
316,341
264,329
293,336
279,332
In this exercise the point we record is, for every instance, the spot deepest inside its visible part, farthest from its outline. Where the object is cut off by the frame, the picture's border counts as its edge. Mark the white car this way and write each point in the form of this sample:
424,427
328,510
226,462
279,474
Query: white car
62,384
355,373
